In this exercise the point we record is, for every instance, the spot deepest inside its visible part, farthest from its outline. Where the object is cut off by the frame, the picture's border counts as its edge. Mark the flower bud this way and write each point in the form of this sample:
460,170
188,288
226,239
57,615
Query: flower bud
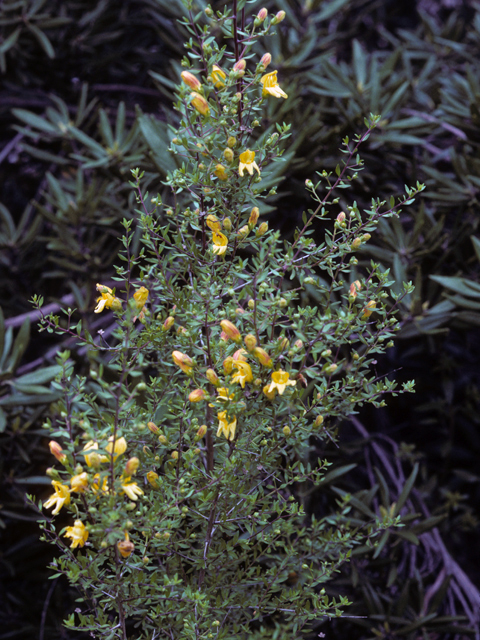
341,216
331,368
263,357
356,243
200,104
366,237
270,394
266,60
183,361
318,421
231,142
251,303
326,353
168,324
243,232
354,289
254,215
298,344
212,377
240,65
163,439
202,430
125,547
197,395
279,17
262,14
228,364
190,80
221,173
231,330
262,229
153,427
250,341
283,343
286,431
152,478
239,355
368,309
56,450
227,224
228,155
131,466
174,455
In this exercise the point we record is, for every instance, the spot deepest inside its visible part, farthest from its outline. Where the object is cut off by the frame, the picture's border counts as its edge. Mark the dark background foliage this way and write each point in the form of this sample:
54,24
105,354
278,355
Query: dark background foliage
86,94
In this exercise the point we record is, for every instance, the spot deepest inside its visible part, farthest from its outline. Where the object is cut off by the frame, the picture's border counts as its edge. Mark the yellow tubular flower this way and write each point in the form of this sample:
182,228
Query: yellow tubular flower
99,485
131,489
213,223
125,547
60,498
223,394
280,380
243,373
131,467
78,534
228,364
270,394
107,300
368,309
141,297
247,161
93,459
218,76
183,361
117,448
220,242
225,427
200,104
79,483
240,355
271,87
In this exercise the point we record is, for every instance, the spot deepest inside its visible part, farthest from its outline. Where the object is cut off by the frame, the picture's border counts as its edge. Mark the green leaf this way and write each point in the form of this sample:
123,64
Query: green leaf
406,490
42,39
19,346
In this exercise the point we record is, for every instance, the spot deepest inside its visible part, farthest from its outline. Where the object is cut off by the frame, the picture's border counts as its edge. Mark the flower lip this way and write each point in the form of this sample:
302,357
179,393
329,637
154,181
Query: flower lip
271,86
247,161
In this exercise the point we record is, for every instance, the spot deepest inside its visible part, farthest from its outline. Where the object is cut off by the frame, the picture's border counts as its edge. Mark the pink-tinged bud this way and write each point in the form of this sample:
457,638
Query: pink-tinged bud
200,104
250,341
197,395
356,243
190,80
283,343
239,311
266,60
131,466
56,450
181,330
239,355
240,65
263,357
262,229
168,324
254,215
228,364
318,421
153,427
202,430
341,216
212,377
262,14
183,361
298,344
279,17
231,330
354,289
302,380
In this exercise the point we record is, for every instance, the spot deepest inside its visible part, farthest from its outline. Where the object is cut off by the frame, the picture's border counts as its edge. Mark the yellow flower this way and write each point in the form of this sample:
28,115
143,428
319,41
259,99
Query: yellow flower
131,489
221,173
107,299
200,104
152,478
270,394
270,86
220,242
93,459
369,309
141,297
131,467
125,547
218,76
79,482
116,448
183,361
231,330
226,427
243,373
213,223
280,380
190,80
240,355
99,485
78,534
247,161
60,498
228,364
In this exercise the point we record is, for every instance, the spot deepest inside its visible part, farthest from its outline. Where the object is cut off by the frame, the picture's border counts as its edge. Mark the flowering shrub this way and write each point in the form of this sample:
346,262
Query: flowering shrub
184,460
